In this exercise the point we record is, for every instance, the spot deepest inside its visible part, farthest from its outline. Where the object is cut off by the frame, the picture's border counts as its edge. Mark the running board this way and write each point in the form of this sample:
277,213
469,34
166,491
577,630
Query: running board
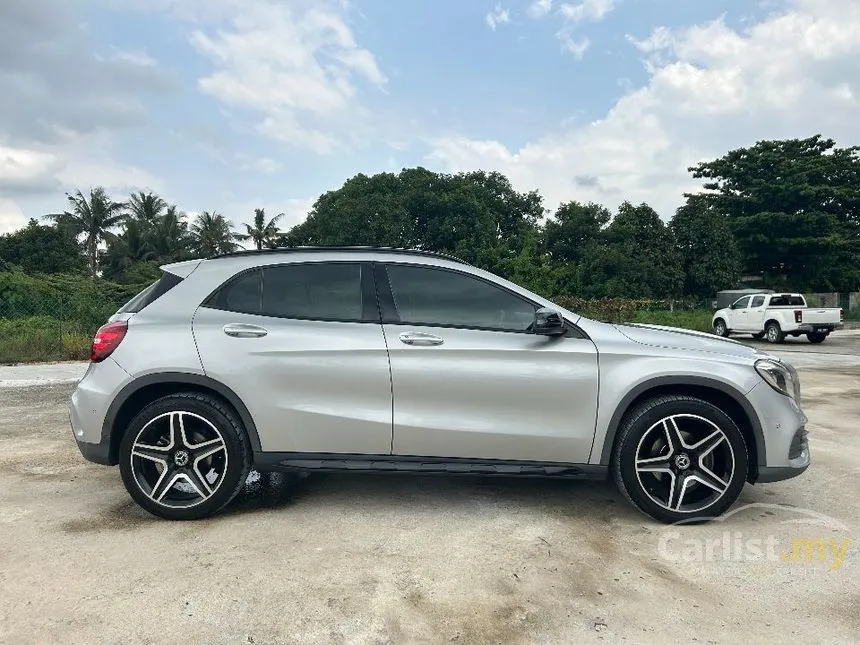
291,461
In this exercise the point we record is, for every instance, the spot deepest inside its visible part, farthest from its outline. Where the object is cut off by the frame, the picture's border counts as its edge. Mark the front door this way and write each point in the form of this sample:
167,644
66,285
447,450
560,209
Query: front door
302,347
469,378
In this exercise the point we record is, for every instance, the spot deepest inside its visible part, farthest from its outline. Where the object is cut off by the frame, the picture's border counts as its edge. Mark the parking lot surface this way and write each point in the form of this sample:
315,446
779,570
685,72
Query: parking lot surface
411,559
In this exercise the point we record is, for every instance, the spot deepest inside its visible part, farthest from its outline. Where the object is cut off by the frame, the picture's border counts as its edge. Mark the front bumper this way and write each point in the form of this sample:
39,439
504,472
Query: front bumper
786,447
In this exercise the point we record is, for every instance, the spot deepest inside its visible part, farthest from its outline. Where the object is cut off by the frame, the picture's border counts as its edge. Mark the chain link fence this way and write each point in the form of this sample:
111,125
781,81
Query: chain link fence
54,319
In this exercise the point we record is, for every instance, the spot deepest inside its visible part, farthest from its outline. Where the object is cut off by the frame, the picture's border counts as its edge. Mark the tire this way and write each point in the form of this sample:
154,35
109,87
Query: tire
816,338
719,464
720,328
758,335
773,333
185,456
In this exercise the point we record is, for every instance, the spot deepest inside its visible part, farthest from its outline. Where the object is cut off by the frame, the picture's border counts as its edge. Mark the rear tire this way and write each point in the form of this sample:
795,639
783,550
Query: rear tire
816,338
720,328
680,459
185,456
773,333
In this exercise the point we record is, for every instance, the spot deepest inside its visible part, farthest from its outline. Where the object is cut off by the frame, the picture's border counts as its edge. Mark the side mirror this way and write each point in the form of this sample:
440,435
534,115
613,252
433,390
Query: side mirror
548,322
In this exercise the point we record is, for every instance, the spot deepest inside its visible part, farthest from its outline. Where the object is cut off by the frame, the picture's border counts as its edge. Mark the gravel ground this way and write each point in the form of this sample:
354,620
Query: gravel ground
411,559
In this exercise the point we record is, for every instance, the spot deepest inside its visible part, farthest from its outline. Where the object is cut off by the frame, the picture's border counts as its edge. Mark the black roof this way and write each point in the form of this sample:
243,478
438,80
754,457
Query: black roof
325,249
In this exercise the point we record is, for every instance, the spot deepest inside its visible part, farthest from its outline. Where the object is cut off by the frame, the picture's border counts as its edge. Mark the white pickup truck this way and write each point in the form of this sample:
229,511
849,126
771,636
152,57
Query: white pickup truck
775,316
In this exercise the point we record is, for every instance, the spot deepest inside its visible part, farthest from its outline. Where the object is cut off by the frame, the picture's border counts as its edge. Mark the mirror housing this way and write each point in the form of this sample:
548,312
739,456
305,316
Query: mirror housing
548,322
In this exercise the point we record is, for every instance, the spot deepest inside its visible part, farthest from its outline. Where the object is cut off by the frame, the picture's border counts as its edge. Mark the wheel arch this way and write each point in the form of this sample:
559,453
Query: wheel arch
724,396
145,389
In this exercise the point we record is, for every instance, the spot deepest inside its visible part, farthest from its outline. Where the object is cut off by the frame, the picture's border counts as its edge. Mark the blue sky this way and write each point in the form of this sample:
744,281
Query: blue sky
236,104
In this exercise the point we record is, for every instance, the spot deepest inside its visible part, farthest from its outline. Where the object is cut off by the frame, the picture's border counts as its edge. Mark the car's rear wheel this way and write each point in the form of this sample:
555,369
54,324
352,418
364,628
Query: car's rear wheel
184,456
680,459
816,338
773,333
720,328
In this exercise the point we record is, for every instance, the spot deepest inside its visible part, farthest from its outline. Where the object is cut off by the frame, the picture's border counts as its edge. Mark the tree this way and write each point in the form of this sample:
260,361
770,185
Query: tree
126,249
168,236
477,216
92,218
574,233
794,207
261,232
146,208
640,259
708,251
42,249
211,234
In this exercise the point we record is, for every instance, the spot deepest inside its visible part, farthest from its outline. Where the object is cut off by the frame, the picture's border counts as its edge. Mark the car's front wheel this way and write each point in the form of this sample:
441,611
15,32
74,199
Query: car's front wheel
184,456
680,459
720,328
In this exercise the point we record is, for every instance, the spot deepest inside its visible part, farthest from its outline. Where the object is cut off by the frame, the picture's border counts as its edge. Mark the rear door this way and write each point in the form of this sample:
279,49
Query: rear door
756,314
471,380
302,346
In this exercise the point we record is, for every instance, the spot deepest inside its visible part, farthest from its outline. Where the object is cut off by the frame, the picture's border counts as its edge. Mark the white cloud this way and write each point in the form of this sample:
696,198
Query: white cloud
574,46
588,10
711,88
498,16
539,8
11,216
300,69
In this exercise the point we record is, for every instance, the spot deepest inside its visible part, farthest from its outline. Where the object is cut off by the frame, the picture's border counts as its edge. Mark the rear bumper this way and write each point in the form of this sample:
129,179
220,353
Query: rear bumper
807,328
88,408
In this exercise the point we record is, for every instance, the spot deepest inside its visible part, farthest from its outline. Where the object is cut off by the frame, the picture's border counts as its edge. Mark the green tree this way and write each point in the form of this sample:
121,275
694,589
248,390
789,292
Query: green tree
261,232
639,259
126,249
708,251
477,216
42,249
212,234
573,234
91,218
146,208
168,236
794,207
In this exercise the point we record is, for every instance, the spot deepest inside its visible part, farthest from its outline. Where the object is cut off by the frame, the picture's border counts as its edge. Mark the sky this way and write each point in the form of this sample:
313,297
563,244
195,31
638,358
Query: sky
231,105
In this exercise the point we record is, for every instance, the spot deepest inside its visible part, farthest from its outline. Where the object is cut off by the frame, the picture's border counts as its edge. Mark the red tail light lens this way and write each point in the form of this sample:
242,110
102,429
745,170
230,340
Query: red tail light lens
107,339
841,315
798,315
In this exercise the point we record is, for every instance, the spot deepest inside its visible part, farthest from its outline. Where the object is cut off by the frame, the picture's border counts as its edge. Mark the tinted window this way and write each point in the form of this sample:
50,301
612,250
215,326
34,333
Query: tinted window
786,301
758,301
316,291
152,293
427,296
742,303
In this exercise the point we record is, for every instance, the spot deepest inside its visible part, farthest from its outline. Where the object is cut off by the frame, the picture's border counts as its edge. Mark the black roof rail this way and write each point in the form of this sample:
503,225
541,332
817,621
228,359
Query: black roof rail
324,249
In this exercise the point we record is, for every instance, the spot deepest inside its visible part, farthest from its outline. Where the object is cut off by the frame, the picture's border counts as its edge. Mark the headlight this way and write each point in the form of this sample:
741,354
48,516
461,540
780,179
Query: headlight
780,376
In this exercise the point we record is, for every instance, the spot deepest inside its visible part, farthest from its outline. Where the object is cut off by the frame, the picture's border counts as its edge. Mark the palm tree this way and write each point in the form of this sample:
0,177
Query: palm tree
211,234
146,208
168,235
126,249
92,218
262,232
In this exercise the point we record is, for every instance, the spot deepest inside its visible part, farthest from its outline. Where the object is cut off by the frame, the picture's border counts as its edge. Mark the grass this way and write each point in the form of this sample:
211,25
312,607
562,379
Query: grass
42,338
696,319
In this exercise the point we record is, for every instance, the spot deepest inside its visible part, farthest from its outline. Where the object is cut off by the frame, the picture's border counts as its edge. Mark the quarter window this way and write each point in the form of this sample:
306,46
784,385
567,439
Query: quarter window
438,297
319,291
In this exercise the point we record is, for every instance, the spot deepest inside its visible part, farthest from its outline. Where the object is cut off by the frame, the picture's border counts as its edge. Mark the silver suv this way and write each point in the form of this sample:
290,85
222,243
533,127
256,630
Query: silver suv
361,359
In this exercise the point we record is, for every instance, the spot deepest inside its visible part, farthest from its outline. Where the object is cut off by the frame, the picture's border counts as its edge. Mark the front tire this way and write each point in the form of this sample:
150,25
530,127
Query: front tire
185,456
680,459
720,328
773,333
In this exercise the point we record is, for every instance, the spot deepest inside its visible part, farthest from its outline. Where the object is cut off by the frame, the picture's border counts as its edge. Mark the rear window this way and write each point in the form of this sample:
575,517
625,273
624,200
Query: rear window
787,301
152,293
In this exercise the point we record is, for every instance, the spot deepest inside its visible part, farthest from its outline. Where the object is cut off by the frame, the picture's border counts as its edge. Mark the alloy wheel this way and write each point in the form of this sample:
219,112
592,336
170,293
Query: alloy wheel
685,463
179,459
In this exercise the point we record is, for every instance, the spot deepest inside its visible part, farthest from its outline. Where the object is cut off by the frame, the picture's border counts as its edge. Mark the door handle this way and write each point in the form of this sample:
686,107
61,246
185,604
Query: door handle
242,330
419,338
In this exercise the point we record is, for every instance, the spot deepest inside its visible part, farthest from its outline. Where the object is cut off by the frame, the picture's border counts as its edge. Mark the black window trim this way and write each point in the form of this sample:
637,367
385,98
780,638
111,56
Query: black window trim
370,306
390,316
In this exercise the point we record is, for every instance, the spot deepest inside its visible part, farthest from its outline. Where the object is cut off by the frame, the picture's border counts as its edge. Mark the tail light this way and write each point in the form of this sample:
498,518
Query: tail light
841,315
107,339
798,315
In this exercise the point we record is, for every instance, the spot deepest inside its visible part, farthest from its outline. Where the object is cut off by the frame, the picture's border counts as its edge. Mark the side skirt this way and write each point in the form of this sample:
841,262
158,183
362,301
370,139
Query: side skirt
332,462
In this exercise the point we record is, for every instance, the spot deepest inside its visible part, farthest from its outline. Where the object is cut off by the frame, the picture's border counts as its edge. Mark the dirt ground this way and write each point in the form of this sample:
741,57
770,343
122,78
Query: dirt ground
410,559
